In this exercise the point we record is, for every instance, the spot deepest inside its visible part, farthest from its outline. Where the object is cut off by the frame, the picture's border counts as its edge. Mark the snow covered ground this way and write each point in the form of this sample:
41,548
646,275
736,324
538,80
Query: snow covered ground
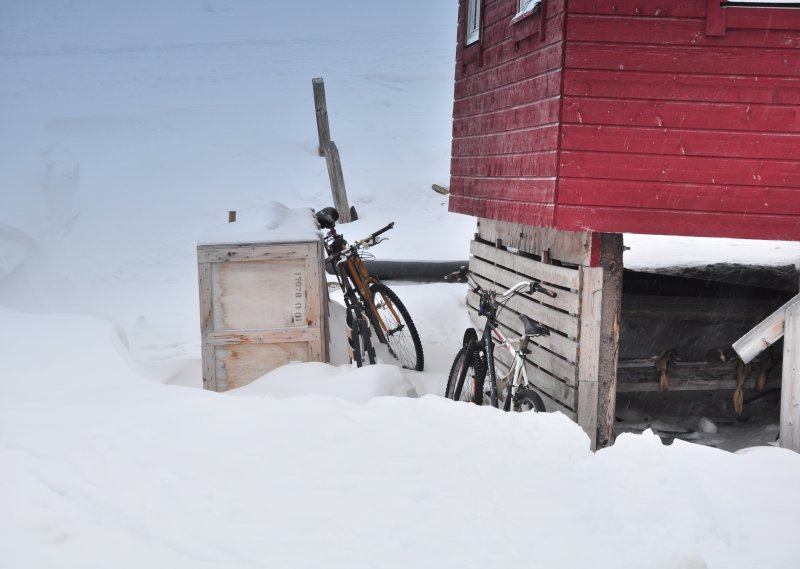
127,131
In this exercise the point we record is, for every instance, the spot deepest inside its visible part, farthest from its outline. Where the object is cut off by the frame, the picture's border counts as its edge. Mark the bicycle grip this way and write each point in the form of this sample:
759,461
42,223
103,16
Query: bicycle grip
459,276
380,231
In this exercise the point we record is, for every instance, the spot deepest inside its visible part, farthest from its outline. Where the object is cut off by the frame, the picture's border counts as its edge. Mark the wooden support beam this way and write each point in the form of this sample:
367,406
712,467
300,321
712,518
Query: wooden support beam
337,182
764,335
589,349
611,248
790,383
321,107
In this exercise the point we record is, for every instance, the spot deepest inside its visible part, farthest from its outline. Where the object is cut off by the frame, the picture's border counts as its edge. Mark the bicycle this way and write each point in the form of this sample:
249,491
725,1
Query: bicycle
364,294
476,357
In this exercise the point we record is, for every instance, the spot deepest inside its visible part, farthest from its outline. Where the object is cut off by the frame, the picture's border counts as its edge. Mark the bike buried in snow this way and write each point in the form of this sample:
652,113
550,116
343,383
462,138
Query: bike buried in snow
476,359
369,302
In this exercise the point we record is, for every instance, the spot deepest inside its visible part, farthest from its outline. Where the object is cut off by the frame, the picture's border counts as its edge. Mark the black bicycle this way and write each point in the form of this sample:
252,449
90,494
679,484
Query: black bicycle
476,357
369,301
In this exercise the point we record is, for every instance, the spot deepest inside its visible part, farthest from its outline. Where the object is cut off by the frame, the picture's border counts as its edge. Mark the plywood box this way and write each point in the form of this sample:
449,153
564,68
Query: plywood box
262,304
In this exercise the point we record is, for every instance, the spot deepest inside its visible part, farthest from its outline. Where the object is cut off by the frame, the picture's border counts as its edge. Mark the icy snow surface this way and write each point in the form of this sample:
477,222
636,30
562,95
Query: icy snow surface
129,130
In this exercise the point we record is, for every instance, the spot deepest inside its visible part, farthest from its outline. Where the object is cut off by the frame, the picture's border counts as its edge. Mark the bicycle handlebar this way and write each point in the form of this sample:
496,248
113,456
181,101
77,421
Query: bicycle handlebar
531,286
369,240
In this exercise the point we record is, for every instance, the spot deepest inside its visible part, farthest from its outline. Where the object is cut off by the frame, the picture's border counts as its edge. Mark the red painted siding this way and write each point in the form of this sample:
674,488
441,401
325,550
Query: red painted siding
506,115
641,116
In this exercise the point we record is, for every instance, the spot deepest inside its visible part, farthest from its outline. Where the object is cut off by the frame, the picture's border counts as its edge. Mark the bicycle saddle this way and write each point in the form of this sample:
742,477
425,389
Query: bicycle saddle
327,217
532,327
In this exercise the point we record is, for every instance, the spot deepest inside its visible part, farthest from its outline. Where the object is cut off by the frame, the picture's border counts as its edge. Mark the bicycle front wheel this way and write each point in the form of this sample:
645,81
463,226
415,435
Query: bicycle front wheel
471,389
394,327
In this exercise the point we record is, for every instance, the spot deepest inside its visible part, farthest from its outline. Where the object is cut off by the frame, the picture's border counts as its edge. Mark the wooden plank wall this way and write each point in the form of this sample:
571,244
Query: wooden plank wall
574,368
554,358
674,127
506,114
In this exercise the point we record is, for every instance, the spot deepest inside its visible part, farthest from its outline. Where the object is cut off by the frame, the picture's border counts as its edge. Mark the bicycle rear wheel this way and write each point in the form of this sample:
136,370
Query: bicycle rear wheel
528,400
471,389
394,327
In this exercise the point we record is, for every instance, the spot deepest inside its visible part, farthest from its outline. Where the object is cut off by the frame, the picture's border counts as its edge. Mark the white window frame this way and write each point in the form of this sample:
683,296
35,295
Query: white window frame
473,21
526,6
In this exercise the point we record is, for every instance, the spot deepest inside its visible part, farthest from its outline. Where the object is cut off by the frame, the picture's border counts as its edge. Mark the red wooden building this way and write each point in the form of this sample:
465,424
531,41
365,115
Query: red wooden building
576,121
675,117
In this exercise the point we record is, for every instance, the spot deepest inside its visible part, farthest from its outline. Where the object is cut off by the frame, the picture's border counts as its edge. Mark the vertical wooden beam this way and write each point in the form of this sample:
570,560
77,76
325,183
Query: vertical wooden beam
716,18
591,290
321,107
337,182
611,248
206,325
790,383
598,350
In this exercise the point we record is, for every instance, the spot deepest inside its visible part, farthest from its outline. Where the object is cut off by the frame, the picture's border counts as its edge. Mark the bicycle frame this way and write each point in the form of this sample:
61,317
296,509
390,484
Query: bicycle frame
517,375
352,275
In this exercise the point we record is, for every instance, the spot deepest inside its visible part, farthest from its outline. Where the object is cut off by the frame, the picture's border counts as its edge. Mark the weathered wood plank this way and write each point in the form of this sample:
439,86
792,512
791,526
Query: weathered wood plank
640,376
321,111
611,250
589,349
550,274
790,385
276,336
505,279
338,190
239,364
260,295
253,252
769,331
565,246
206,324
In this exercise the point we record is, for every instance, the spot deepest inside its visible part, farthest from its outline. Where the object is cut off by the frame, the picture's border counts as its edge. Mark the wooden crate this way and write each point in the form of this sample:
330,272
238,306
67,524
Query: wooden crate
262,305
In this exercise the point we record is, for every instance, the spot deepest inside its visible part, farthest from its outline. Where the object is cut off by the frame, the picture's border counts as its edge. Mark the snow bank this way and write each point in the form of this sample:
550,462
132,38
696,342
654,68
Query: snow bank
102,467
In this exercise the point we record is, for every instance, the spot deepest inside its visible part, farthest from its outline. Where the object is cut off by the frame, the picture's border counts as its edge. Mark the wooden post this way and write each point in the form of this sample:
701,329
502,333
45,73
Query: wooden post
321,106
790,383
231,216
591,293
601,302
611,248
337,181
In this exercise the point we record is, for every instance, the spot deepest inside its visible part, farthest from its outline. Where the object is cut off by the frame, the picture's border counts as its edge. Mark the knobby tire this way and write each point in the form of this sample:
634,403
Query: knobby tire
403,340
471,389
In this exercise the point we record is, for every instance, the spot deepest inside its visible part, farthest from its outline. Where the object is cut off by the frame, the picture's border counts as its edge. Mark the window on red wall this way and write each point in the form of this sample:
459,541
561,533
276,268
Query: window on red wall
473,21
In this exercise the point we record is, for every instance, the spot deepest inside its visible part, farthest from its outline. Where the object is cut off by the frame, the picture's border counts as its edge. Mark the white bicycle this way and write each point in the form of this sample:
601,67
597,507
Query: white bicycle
476,357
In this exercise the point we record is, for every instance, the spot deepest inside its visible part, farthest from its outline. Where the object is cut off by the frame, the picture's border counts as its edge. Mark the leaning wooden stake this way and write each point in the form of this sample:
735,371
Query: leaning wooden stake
790,384
321,106
337,182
